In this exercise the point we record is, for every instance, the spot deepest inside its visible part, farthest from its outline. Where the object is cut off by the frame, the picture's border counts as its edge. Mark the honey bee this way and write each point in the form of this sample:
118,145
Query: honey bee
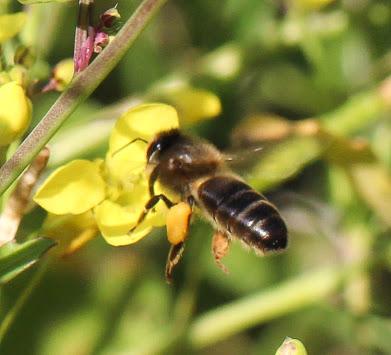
196,172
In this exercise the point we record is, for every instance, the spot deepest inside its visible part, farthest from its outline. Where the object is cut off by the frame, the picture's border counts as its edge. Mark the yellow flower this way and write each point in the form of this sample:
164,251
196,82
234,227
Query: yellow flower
125,163
115,190
15,112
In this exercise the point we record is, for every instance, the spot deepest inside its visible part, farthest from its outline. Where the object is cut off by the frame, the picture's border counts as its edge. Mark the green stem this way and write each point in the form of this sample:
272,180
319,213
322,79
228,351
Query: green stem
79,89
24,296
287,297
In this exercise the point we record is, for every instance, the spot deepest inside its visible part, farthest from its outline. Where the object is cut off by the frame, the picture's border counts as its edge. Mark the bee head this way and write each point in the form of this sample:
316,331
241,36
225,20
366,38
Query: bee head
161,143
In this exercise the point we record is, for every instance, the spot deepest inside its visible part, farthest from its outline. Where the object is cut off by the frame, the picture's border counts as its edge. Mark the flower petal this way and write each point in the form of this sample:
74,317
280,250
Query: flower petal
142,121
115,219
135,200
114,222
126,165
73,188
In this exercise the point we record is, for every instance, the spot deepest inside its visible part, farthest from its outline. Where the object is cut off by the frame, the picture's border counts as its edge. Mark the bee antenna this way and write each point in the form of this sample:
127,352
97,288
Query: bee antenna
138,139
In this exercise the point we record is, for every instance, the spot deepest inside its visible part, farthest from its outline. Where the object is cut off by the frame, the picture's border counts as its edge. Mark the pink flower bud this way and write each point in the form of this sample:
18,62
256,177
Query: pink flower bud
101,41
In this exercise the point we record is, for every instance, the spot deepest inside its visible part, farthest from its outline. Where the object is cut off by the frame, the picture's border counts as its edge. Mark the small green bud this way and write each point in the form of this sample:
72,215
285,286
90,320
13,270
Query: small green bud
291,347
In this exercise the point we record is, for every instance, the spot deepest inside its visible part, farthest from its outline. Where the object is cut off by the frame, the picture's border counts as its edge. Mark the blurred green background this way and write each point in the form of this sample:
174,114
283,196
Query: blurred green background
327,61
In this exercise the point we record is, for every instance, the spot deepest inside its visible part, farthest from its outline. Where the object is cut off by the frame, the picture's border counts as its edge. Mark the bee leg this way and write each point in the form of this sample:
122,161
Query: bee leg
174,255
178,221
220,248
151,204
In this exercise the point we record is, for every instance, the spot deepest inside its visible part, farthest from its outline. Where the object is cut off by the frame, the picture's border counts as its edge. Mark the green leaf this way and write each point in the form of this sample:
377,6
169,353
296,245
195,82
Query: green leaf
15,258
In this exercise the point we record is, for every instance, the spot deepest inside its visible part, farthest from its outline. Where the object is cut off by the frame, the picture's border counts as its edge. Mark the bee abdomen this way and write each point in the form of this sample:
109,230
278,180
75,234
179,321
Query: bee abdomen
243,212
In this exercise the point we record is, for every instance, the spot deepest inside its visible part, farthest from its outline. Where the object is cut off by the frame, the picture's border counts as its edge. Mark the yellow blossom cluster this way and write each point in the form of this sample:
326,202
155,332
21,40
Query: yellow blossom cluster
110,194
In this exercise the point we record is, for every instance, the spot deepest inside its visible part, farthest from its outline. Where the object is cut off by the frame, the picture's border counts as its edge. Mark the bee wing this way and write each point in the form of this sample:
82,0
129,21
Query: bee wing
237,158
278,160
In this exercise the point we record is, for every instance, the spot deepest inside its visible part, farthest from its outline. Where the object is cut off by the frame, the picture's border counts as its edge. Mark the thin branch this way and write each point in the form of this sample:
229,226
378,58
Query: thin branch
79,89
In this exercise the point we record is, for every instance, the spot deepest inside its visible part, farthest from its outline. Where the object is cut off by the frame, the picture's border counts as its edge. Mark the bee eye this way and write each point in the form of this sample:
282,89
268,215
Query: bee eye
161,143
154,151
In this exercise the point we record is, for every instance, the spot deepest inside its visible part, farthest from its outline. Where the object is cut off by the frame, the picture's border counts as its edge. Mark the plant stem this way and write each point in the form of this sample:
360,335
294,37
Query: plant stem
23,297
79,89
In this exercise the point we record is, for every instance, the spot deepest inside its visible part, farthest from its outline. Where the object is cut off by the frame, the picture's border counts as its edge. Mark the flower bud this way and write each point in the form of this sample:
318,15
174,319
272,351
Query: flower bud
291,347
63,73
61,76
101,41
15,112
109,17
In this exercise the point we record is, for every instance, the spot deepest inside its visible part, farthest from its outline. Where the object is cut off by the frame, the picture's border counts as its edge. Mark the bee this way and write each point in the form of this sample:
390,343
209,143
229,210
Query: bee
196,172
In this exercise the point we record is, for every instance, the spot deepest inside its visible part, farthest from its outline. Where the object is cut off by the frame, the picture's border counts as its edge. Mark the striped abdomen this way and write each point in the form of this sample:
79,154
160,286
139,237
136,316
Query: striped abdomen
243,213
